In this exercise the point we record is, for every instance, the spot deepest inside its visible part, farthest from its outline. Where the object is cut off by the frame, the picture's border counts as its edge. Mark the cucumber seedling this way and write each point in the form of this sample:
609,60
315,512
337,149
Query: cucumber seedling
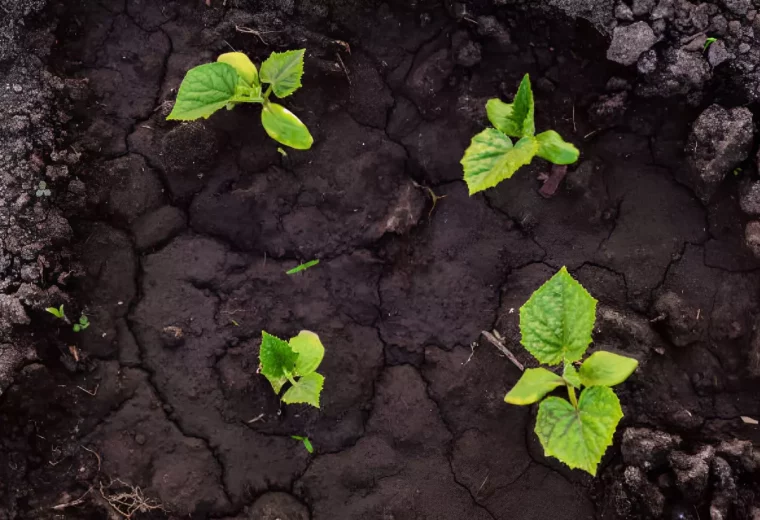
306,442
58,313
556,325
295,362
234,79
491,156
83,324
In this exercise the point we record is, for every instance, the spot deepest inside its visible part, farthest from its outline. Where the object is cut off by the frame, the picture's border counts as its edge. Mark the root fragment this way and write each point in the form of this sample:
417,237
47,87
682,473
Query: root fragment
128,500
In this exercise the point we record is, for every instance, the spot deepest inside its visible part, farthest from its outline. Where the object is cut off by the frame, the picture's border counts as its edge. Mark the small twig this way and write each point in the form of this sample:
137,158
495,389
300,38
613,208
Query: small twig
94,453
574,128
472,348
590,134
93,393
257,418
73,503
503,349
343,66
483,484
248,30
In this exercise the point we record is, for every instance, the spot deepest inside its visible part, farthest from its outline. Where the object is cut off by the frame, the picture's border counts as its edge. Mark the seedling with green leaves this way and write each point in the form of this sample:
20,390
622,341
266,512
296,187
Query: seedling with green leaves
306,442
302,267
82,325
492,157
709,41
58,313
234,79
556,325
295,362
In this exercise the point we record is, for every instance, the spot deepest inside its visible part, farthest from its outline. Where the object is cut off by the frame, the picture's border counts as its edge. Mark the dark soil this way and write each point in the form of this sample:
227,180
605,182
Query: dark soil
184,233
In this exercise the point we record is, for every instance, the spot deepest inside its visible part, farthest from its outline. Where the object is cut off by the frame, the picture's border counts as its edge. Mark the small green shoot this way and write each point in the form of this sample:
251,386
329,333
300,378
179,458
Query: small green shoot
306,442
82,325
737,171
58,313
42,190
556,325
302,267
234,323
282,152
234,79
708,42
492,157
294,362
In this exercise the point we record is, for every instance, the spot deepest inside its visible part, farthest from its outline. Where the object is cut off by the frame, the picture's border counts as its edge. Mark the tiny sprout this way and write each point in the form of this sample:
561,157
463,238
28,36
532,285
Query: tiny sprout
58,313
82,325
737,171
42,190
708,42
306,442
302,267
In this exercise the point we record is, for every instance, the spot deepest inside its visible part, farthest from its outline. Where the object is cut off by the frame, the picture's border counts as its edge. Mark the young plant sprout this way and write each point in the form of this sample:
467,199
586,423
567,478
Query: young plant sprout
709,41
491,156
294,362
58,313
42,190
306,442
556,325
234,79
82,325
302,267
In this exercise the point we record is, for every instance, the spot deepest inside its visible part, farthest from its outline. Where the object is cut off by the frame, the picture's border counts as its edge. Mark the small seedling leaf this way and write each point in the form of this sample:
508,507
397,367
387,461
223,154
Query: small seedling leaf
534,384
515,119
606,369
58,313
557,321
283,126
310,352
491,158
306,390
570,374
242,65
579,437
277,360
556,150
306,442
205,89
302,267
283,70
77,327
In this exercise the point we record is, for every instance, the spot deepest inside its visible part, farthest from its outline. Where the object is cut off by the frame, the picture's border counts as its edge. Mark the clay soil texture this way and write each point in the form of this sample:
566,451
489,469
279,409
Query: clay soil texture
181,235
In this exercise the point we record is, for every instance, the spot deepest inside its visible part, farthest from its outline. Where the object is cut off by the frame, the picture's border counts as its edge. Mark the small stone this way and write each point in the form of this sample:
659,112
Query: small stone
647,493
172,336
682,322
623,12
717,53
663,11
719,25
738,7
140,439
647,449
629,42
744,48
739,452
692,471
647,63
642,7
749,198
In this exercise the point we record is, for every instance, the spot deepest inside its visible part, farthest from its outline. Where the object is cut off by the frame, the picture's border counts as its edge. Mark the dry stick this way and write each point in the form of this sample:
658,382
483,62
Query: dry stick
94,453
73,503
503,349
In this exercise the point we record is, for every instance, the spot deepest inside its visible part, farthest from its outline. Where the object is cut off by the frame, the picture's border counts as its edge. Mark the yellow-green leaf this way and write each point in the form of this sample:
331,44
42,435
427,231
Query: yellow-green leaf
554,149
310,352
516,119
606,369
283,70
557,321
579,437
570,374
306,390
283,126
205,89
243,65
491,158
534,384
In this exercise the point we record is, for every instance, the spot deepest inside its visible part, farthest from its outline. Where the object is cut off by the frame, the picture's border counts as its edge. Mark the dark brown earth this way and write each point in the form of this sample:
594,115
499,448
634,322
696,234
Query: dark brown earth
187,231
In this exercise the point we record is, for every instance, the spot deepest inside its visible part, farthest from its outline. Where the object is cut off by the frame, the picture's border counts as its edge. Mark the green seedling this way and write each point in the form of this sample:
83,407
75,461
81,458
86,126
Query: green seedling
556,325
296,362
234,79
737,171
708,42
42,190
58,313
491,156
302,267
306,442
82,325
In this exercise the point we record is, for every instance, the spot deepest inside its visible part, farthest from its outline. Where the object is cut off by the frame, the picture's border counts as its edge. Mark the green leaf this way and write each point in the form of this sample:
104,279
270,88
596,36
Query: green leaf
557,321
534,384
277,360
306,442
310,352
302,267
242,65
556,150
579,437
606,369
284,127
283,70
491,158
306,390
205,89
570,374
514,119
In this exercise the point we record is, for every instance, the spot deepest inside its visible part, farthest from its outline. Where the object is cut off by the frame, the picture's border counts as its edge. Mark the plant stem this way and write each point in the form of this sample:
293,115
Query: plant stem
571,394
268,91
293,381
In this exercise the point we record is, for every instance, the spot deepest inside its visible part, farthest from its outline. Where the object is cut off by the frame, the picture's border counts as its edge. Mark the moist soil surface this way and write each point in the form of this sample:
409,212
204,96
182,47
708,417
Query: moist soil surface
186,231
